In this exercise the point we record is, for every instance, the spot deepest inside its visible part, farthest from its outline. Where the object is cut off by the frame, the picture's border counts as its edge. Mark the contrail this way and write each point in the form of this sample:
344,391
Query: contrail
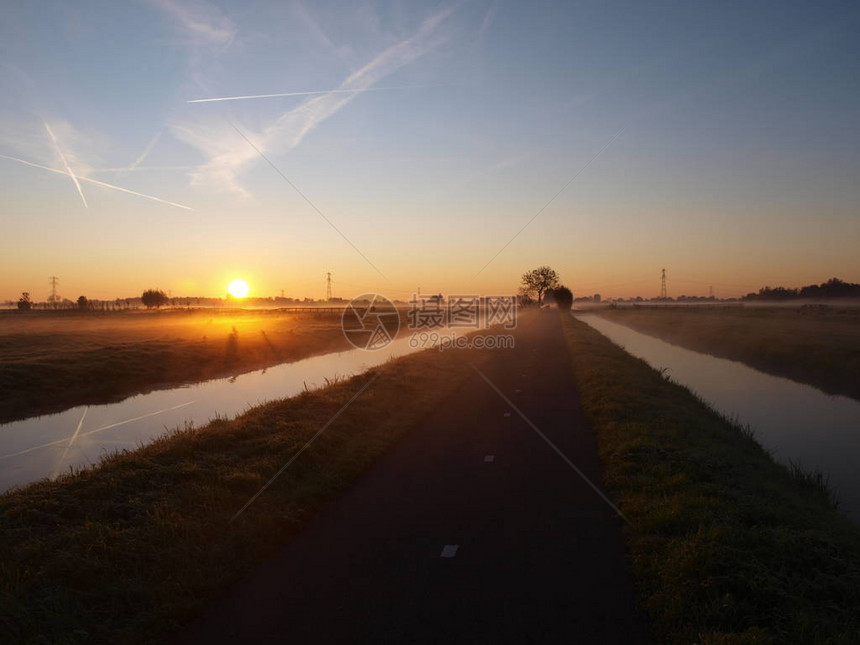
132,192
71,441
146,151
269,96
66,163
141,168
89,432
98,183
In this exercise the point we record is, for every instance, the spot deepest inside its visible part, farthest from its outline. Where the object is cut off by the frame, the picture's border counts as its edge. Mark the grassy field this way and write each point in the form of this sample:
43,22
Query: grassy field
819,346
727,545
50,361
130,550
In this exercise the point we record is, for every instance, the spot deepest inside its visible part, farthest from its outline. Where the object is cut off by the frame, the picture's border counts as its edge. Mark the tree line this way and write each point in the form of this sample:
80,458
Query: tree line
833,288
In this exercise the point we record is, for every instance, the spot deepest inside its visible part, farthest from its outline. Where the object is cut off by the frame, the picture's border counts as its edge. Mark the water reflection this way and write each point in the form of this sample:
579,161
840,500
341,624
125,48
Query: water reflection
793,421
43,446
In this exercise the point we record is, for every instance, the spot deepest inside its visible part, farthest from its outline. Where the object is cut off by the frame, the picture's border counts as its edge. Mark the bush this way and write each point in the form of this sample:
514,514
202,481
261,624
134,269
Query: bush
563,297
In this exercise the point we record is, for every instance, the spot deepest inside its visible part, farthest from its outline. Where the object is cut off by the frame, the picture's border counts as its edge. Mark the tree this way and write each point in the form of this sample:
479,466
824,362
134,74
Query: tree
83,303
524,298
563,297
539,280
25,303
153,298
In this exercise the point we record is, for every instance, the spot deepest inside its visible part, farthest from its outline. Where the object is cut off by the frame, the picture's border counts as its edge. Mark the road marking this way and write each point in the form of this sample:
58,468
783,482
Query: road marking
489,459
449,551
507,414
551,444
517,391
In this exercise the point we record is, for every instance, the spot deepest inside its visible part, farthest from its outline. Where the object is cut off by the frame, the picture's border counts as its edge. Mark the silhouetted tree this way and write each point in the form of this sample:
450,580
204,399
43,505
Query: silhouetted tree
24,302
524,298
562,296
83,303
539,280
153,298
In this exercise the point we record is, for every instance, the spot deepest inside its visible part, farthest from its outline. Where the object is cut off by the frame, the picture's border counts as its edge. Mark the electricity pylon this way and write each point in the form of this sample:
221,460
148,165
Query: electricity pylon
53,298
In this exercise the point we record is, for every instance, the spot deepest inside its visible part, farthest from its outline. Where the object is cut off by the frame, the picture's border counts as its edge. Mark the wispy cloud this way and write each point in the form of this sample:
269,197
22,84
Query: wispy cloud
343,52
202,29
228,155
200,23
488,19
62,157
28,137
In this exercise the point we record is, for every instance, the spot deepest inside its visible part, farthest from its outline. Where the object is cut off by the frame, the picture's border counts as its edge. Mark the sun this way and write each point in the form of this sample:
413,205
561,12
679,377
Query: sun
238,289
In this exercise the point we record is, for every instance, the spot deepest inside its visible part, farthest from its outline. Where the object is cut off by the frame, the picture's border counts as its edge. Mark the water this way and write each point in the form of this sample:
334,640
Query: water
44,446
794,422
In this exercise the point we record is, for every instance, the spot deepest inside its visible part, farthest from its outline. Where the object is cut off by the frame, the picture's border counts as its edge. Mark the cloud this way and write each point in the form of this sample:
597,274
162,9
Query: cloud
343,52
203,30
228,154
28,137
199,22
53,142
488,19
226,151
65,161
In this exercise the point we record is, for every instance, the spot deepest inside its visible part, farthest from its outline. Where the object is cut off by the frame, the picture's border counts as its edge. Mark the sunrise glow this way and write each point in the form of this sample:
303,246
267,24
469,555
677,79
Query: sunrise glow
238,289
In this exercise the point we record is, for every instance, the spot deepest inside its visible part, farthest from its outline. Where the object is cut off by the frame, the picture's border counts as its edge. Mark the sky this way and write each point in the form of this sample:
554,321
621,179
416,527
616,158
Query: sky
449,146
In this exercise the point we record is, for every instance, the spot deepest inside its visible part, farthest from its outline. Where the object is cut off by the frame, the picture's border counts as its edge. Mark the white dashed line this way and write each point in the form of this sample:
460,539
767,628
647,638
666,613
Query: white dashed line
507,414
489,459
449,551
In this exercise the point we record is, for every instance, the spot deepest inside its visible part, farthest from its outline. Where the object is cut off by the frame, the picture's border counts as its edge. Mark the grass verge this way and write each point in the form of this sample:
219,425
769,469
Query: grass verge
727,545
130,550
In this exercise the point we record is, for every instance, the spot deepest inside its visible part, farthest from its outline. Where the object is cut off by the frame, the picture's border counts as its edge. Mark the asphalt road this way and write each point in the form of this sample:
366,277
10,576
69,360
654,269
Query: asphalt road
471,530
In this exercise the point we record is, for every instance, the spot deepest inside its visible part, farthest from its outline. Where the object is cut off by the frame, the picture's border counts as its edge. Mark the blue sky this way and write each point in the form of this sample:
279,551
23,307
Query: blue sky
451,126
